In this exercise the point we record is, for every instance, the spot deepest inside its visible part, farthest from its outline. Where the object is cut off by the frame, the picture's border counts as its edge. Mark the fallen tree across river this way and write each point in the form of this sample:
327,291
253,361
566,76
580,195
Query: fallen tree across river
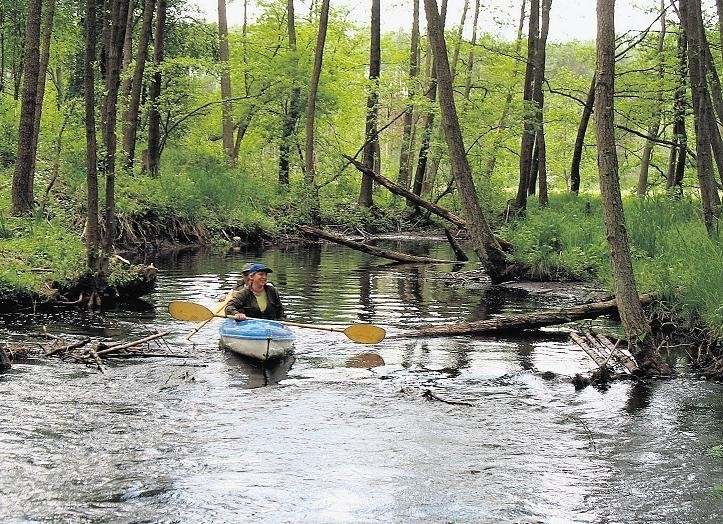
534,320
383,253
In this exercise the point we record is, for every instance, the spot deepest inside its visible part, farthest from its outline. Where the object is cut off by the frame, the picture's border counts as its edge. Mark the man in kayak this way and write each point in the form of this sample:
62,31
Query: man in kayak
244,282
257,300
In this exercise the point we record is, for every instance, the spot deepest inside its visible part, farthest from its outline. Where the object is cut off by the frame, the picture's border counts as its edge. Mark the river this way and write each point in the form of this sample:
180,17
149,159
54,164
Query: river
211,438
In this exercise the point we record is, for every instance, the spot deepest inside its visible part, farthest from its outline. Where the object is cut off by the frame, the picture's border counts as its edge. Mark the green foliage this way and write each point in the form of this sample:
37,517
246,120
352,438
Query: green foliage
195,187
38,251
563,240
672,253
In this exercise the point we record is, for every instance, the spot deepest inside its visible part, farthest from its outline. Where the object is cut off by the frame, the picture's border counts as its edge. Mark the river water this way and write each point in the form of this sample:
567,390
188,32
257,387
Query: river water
211,438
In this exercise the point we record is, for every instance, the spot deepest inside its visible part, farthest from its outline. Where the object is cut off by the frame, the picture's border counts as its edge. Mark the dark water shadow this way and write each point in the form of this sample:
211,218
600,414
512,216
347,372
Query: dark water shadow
252,374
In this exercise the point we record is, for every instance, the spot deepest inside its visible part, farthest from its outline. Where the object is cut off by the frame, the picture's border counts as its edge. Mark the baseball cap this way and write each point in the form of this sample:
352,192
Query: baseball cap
255,268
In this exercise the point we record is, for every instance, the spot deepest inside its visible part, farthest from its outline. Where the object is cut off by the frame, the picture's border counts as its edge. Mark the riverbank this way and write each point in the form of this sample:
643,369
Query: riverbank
43,258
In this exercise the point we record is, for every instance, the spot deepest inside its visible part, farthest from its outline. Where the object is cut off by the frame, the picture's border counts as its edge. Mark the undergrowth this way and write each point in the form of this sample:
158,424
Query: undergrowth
672,253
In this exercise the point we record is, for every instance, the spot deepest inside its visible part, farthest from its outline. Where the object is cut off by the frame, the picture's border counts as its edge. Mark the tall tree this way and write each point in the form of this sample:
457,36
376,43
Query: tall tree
458,41
226,93
22,192
540,157
407,133
678,153
473,43
49,13
292,111
580,138
428,123
481,236
309,161
130,116
371,143
528,134
92,235
631,311
109,115
690,12
154,92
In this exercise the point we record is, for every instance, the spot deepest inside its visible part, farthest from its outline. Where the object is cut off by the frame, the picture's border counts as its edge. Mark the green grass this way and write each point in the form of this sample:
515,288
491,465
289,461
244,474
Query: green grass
36,252
672,253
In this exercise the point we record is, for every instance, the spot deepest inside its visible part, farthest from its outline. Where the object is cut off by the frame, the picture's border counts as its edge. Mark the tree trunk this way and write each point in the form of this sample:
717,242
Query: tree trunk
719,11
458,43
407,135
110,113
631,311
690,12
647,154
678,153
714,102
580,138
23,177
125,88
226,94
92,234
528,133
154,92
309,162
364,248
473,43
482,239
42,71
293,109
130,118
371,143
533,320
428,124
540,170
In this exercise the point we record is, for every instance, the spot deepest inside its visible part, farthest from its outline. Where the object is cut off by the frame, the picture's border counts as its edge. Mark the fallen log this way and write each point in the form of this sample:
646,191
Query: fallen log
67,348
118,347
411,197
383,253
522,321
419,201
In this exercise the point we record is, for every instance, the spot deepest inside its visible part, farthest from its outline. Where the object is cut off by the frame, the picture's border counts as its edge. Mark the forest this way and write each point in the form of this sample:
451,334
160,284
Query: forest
134,125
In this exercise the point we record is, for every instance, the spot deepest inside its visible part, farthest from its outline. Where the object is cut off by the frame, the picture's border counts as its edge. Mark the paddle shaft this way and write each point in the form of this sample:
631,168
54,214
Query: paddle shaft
202,324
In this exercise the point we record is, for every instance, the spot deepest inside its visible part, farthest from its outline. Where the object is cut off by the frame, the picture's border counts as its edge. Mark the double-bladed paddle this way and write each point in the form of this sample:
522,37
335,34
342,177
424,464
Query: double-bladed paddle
361,333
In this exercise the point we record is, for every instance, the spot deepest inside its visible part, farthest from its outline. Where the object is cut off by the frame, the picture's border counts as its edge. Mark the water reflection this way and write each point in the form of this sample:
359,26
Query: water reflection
252,374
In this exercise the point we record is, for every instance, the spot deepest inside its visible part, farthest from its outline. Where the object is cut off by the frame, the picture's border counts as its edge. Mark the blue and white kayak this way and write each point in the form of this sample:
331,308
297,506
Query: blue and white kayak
258,339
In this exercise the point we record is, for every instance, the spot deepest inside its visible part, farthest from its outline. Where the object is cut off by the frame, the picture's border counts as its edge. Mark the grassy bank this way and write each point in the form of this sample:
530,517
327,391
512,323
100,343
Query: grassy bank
672,253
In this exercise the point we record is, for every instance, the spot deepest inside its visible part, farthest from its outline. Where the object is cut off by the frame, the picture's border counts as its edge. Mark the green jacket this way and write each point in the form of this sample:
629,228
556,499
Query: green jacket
244,301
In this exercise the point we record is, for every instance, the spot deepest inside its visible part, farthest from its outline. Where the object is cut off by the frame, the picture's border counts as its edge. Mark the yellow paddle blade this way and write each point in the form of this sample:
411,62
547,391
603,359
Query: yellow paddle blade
189,311
365,333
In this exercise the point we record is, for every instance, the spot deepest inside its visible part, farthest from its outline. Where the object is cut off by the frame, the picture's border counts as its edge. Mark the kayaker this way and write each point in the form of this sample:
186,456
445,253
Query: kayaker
257,300
244,282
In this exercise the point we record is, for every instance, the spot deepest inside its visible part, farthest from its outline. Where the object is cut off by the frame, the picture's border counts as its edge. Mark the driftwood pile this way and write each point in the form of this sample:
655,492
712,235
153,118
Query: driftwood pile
87,352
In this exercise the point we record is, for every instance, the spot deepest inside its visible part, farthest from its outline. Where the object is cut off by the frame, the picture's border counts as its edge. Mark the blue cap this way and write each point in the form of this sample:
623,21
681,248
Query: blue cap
255,268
